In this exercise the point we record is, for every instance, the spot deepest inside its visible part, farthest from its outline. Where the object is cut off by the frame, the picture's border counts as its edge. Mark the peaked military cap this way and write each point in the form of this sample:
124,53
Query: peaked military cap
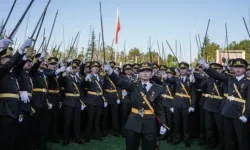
145,66
163,67
126,66
239,62
216,66
52,60
78,61
112,64
183,65
170,70
88,64
135,65
155,65
95,64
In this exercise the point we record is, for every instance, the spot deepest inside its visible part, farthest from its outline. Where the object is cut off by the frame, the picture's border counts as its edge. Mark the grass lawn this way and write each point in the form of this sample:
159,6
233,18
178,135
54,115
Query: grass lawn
114,143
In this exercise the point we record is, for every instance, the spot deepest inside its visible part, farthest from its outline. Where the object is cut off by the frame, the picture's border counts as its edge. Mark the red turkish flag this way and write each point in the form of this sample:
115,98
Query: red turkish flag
118,27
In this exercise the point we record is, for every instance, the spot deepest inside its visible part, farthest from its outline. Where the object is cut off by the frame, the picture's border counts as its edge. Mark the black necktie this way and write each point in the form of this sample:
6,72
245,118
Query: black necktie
145,88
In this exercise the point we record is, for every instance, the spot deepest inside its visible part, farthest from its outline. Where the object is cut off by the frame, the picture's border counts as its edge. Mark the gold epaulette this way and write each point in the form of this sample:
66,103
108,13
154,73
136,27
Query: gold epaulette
248,78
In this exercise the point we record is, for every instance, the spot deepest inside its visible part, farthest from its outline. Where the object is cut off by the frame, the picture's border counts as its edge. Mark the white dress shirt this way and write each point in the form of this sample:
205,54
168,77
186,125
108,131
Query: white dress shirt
240,77
148,85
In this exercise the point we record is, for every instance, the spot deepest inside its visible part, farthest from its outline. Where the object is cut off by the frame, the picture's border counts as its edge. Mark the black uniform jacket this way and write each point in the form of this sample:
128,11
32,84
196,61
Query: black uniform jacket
142,123
213,95
94,91
238,99
9,87
185,92
72,92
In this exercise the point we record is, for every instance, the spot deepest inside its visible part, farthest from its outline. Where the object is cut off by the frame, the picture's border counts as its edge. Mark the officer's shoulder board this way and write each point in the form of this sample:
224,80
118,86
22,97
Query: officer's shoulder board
248,78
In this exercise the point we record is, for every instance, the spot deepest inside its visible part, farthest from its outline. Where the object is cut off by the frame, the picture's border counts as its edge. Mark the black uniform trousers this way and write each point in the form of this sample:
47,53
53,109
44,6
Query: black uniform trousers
202,123
53,116
112,109
213,129
241,130
23,133
7,132
72,122
133,140
181,115
94,117
169,120
125,111
39,126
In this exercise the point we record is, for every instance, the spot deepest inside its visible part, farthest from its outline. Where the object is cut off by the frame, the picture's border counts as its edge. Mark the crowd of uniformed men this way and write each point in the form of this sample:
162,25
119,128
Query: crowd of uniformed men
44,99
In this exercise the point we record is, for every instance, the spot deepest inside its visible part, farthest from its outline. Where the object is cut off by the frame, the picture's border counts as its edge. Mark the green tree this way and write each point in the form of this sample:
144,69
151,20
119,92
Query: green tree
242,45
209,50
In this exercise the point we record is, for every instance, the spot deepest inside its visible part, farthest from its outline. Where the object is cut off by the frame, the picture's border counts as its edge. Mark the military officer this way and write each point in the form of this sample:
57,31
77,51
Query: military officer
94,100
146,109
72,104
214,94
9,93
183,103
235,110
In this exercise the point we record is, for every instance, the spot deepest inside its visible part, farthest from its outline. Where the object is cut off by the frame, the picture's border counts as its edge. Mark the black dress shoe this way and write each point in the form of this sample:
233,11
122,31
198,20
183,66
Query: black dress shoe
201,143
55,141
187,144
65,143
175,142
98,138
116,134
78,141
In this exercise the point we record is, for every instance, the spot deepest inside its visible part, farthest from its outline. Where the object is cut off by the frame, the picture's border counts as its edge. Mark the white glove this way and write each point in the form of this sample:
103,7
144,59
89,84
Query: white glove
68,69
50,106
192,79
163,130
172,109
26,44
190,109
177,71
108,68
62,69
43,55
118,101
105,104
164,75
60,105
243,119
116,72
87,78
203,63
124,93
20,118
24,97
4,43
84,60
83,107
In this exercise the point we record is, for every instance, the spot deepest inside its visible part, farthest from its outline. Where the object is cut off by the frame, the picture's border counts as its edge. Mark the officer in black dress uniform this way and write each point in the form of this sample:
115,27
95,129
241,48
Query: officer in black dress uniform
168,97
183,103
9,93
112,110
214,95
146,109
236,109
126,103
94,100
26,86
72,104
